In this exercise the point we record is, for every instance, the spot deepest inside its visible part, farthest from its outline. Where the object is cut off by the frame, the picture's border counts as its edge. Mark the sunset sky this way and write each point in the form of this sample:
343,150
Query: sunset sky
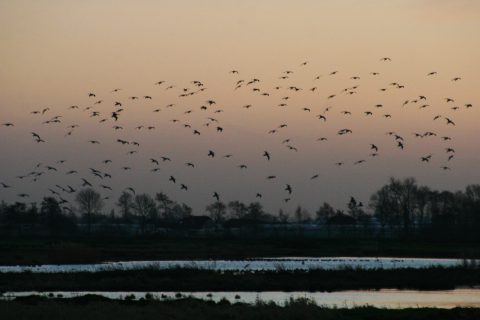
53,53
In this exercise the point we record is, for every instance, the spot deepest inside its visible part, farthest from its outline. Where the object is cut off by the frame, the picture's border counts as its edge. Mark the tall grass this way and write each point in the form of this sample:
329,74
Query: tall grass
182,279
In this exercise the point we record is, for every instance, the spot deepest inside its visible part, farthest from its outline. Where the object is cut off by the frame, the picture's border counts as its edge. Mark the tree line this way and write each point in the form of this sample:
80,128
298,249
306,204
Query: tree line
400,205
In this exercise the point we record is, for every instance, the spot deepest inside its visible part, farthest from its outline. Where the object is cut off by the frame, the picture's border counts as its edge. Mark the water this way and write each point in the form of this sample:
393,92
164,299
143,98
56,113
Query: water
388,298
258,264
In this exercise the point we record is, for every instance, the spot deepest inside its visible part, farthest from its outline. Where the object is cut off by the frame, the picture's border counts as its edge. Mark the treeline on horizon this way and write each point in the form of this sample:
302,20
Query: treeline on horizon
400,205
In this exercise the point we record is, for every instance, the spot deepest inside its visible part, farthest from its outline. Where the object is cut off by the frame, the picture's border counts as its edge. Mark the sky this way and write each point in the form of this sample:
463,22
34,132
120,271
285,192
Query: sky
53,53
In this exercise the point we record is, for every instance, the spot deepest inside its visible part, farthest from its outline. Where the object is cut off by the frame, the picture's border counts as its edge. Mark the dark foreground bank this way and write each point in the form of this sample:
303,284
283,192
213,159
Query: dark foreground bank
91,250
206,280
93,307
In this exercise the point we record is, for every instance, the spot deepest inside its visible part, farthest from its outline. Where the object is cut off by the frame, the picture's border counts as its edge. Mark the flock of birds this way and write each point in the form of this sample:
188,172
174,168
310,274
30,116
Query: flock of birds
100,113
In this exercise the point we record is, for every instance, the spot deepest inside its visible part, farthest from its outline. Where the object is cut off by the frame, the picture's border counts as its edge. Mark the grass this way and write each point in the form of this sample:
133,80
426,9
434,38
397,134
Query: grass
179,279
93,307
86,250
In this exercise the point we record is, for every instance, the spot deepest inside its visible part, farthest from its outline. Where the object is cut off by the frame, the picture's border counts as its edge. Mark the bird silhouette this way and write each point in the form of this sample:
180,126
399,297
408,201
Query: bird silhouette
266,154
449,121
86,183
288,188
426,158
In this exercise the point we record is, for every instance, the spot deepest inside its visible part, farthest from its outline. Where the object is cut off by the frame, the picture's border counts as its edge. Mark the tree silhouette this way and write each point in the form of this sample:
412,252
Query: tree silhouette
125,203
237,209
255,211
324,213
51,214
395,202
52,217
355,209
145,208
301,215
217,211
90,203
179,211
164,205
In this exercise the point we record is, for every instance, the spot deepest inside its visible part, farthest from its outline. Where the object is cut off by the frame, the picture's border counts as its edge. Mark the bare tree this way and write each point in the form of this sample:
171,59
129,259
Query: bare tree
217,211
237,209
164,204
90,203
145,208
125,203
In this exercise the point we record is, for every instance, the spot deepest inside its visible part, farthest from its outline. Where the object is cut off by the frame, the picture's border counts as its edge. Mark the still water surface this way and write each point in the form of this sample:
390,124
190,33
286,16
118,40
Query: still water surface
387,298
257,264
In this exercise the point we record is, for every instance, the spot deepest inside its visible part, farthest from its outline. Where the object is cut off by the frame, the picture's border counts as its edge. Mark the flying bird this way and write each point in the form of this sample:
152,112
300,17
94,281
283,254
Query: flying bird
288,188
266,154
86,183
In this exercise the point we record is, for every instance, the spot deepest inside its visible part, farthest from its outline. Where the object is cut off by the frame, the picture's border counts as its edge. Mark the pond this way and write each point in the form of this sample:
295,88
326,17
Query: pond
257,264
386,298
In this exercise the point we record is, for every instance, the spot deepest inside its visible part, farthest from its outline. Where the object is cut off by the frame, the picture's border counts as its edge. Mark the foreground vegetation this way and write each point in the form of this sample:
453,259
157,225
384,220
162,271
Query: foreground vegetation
205,280
89,250
92,307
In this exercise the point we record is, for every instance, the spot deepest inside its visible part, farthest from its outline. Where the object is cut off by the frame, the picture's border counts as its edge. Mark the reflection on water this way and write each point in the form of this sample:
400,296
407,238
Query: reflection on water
387,298
247,265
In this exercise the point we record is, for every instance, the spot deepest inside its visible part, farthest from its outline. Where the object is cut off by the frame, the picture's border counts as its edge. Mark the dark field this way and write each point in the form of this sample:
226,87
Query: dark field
206,280
92,307
89,250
